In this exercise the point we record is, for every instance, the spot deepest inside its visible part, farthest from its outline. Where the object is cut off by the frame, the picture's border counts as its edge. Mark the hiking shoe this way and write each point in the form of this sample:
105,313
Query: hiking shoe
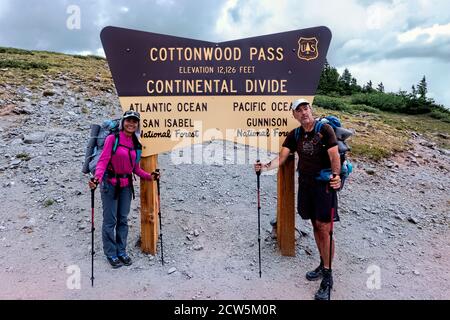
273,234
325,286
114,262
315,274
273,222
126,260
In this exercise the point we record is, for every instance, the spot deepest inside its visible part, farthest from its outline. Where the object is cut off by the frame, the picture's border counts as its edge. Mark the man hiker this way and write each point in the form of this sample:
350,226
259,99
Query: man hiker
316,151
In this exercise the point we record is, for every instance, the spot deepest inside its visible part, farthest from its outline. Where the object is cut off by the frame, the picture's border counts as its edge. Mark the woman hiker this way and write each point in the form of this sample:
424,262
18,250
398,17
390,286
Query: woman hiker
114,173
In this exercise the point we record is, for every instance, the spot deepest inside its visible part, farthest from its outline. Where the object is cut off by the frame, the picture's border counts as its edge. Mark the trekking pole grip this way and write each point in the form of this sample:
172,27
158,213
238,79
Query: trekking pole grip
259,171
155,175
92,193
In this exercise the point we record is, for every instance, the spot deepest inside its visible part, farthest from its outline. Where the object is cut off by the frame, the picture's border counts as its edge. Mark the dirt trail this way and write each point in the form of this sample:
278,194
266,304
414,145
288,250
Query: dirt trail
394,219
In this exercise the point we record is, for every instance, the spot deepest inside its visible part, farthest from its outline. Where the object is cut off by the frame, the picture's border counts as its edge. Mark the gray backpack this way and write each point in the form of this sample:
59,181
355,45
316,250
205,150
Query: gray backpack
97,141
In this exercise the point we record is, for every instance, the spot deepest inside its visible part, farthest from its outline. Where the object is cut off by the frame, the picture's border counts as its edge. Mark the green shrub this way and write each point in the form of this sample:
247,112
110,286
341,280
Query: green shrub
24,156
15,51
48,202
90,56
331,103
382,101
440,115
24,65
373,152
418,106
78,56
364,108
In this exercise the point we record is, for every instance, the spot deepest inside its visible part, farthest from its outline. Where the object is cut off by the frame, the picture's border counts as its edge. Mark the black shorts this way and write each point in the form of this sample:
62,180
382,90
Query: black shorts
314,200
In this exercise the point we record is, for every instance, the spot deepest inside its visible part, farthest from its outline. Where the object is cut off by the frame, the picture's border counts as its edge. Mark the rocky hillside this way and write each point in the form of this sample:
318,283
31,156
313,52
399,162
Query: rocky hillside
395,209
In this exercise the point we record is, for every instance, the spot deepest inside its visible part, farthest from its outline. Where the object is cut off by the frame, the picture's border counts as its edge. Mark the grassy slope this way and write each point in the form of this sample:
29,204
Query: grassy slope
34,68
378,134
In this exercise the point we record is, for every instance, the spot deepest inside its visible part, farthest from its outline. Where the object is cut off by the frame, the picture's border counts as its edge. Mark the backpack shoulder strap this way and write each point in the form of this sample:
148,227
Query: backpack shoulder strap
116,142
138,148
297,133
318,126
136,143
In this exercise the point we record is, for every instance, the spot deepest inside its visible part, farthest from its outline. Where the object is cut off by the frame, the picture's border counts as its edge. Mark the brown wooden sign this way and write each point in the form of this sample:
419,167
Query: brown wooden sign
189,91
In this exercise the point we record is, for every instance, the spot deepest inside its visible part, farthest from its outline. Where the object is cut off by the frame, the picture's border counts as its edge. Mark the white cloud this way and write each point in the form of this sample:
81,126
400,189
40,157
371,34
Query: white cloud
239,19
365,37
4,7
100,52
82,53
368,36
224,23
403,73
379,14
165,2
105,12
431,33
388,16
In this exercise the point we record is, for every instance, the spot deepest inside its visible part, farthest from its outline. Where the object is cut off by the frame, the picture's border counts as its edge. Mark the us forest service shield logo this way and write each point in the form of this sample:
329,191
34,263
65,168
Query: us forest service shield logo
308,49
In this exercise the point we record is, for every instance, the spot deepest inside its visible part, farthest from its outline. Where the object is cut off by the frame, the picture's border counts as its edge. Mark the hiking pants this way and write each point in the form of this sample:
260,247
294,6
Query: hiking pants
115,219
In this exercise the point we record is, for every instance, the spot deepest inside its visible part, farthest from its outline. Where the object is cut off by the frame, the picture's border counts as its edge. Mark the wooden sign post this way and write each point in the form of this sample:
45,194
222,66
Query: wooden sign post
149,208
286,207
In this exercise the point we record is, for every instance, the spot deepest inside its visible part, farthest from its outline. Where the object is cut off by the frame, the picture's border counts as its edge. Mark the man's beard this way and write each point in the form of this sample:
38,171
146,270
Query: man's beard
306,121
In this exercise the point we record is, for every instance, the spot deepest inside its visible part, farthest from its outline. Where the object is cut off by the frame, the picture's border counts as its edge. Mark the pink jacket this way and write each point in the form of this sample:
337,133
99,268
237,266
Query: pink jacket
120,160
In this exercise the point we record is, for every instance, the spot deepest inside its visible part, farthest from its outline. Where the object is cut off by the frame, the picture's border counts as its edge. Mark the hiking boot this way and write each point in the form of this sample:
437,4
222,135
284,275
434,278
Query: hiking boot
273,222
126,260
273,234
114,262
315,274
325,286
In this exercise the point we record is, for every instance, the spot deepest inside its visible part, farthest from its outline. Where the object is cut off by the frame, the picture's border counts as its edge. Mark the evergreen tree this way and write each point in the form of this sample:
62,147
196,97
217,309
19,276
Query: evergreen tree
402,93
380,87
422,88
346,77
418,102
345,82
368,88
355,88
328,83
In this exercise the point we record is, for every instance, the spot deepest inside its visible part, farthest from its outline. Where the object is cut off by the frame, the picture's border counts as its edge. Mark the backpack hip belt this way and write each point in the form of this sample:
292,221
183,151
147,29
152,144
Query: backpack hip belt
117,187
112,174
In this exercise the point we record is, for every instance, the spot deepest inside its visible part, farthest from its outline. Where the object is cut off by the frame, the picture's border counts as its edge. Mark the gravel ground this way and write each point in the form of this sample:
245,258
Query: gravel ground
394,218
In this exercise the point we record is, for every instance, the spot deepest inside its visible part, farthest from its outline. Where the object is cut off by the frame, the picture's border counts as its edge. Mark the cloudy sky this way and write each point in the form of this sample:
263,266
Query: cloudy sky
393,41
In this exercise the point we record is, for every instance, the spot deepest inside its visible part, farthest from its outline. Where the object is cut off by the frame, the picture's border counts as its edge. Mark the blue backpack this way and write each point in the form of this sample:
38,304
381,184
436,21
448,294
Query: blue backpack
97,141
341,134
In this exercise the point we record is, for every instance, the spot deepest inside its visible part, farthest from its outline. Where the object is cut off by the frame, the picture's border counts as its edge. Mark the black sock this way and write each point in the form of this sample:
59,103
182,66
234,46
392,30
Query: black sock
326,272
321,261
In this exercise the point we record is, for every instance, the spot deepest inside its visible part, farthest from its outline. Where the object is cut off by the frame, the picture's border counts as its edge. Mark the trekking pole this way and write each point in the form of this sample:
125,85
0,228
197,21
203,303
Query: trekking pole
159,215
333,203
92,234
258,174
